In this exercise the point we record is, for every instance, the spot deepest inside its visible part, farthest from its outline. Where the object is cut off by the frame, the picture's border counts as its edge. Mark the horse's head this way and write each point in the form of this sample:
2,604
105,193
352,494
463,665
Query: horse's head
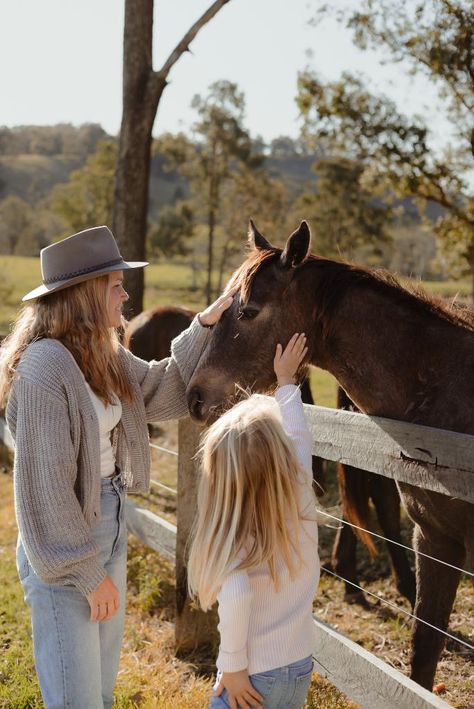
267,309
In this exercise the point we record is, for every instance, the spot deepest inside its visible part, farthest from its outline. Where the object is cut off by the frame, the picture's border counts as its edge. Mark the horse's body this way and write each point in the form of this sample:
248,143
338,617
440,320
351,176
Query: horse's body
396,354
356,488
149,334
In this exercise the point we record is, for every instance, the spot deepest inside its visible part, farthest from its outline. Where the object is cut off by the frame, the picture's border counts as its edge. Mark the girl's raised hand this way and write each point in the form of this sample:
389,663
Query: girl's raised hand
287,361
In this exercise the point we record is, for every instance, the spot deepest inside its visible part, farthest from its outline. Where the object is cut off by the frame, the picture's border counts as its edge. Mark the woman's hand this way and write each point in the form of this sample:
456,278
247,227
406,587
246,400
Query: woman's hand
212,314
104,600
286,362
240,692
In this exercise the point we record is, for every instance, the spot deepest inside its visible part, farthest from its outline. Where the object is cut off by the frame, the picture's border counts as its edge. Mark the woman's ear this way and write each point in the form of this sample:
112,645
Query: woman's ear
257,240
297,247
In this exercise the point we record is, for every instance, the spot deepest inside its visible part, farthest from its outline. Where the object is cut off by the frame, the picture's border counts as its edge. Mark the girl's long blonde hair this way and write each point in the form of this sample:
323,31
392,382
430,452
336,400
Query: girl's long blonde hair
247,505
77,317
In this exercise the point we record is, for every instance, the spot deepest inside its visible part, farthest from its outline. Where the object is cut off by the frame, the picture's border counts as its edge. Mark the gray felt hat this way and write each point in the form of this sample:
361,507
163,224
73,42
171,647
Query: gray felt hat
78,258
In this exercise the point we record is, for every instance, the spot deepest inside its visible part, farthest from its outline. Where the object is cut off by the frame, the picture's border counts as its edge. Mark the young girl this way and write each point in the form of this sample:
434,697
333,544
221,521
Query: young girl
78,407
255,544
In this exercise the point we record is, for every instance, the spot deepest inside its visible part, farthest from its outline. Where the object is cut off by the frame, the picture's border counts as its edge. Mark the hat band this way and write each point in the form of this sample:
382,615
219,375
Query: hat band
82,271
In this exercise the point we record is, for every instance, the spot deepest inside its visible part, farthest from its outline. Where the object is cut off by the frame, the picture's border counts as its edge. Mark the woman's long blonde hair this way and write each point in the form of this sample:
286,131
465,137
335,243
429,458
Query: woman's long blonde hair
77,317
247,504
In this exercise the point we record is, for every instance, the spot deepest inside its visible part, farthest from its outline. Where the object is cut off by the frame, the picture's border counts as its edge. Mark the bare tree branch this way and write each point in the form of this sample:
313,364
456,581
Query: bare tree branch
183,45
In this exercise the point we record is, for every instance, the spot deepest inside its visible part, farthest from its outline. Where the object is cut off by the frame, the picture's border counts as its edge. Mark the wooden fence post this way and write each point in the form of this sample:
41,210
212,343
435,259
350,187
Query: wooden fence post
193,628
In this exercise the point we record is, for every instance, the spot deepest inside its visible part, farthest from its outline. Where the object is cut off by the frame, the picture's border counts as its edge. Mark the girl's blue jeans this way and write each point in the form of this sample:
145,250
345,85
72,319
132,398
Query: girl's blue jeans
77,660
281,688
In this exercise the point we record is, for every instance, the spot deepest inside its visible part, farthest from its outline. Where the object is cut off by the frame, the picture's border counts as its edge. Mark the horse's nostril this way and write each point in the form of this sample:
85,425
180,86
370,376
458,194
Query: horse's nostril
195,401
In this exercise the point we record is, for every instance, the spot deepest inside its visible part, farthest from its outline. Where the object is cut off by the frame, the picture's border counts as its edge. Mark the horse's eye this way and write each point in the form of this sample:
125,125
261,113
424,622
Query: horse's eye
248,313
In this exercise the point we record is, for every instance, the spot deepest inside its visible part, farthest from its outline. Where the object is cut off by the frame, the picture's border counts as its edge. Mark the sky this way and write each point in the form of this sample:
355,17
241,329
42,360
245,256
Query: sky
62,62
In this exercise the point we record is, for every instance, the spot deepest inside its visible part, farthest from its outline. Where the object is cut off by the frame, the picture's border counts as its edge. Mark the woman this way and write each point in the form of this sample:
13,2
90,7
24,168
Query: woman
78,407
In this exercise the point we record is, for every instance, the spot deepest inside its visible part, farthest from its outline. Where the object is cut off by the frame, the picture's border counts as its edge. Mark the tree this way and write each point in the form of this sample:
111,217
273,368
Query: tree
346,216
436,38
87,198
15,219
142,91
174,228
222,149
251,193
24,230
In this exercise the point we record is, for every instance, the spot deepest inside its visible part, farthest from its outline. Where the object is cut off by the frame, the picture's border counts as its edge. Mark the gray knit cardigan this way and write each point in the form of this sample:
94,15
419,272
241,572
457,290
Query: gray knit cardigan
57,457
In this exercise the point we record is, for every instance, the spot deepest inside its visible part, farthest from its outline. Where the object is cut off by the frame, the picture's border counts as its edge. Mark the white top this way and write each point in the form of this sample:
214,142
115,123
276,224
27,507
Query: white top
108,417
262,628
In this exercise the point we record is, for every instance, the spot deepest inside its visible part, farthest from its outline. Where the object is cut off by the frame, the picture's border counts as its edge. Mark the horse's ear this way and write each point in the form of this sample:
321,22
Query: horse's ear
256,239
297,247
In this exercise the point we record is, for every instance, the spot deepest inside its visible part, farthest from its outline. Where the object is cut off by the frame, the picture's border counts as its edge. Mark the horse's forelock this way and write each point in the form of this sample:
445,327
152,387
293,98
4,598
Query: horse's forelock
245,274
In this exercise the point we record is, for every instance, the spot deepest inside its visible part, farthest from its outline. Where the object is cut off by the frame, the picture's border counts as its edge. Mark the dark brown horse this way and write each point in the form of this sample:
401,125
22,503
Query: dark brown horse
149,334
397,354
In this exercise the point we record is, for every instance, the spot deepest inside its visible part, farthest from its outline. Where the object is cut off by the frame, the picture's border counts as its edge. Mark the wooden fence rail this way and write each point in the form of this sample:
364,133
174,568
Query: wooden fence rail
434,459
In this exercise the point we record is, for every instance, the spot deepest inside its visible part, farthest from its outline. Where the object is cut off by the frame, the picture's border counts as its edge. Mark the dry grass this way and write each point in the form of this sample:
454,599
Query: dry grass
150,675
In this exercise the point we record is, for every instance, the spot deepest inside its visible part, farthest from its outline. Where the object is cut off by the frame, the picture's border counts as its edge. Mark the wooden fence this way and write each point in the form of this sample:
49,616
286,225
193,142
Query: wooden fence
431,458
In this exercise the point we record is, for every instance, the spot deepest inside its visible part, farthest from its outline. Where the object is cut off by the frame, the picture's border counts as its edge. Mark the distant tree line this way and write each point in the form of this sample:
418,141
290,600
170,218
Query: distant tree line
206,184
61,139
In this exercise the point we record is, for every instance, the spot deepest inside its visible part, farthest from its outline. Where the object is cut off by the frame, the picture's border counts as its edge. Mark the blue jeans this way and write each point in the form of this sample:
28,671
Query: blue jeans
281,688
76,660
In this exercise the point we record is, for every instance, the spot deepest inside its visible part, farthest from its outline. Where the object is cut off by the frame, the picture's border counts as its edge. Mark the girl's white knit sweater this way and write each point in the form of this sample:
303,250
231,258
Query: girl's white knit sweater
262,628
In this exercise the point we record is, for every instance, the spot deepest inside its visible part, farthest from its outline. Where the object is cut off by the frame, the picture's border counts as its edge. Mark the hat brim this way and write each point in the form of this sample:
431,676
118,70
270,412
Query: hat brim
45,289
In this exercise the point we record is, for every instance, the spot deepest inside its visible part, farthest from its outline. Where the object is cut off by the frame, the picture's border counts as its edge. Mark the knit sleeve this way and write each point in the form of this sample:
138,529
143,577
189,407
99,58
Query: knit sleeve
163,384
235,600
53,530
289,401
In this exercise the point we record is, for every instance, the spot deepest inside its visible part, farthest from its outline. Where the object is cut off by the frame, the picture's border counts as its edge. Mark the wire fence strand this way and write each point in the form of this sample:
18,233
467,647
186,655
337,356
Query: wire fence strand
163,450
165,487
392,541
401,610
374,534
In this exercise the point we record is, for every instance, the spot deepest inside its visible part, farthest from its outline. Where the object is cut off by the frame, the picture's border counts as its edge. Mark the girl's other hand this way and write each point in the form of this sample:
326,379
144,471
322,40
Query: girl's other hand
212,314
240,692
287,361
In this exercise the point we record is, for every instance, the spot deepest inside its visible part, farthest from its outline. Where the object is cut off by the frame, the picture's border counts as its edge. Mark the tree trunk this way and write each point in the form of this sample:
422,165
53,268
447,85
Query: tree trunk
210,256
142,90
140,101
223,262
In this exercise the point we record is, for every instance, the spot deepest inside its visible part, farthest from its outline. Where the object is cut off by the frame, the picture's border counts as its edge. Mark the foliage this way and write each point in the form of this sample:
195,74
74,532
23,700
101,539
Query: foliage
15,218
345,214
434,38
251,193
221,150
87,198
24,230
61,139
175,227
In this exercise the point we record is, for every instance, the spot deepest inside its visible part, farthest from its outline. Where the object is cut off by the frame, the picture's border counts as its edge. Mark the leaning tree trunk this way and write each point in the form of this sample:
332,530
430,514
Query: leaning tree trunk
142,91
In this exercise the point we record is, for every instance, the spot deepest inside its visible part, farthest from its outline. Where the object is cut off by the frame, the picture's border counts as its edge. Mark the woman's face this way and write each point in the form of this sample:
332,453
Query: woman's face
116,296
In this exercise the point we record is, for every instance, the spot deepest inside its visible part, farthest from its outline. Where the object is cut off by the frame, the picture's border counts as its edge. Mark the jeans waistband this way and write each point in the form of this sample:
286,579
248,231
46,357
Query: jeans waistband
117,480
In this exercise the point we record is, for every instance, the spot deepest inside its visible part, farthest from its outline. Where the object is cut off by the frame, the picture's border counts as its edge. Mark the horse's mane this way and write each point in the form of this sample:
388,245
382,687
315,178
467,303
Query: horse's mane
336,278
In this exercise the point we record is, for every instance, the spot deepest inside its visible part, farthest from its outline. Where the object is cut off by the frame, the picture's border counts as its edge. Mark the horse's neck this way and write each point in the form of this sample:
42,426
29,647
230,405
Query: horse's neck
382,354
